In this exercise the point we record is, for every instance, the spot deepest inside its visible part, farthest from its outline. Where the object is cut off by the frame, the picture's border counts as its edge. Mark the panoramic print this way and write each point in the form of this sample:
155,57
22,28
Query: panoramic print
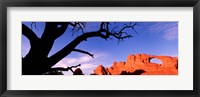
99,48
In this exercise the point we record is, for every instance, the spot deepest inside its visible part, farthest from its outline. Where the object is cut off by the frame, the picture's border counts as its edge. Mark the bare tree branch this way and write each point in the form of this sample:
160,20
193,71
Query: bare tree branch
49,30
84,52
58,70
61,30
71,46
34,24
29,34
64,69
52,31
77,26
103,32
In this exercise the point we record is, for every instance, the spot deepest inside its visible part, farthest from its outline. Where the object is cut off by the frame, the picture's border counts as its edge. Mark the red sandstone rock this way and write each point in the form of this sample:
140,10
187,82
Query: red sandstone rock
136,62
78,71
100,70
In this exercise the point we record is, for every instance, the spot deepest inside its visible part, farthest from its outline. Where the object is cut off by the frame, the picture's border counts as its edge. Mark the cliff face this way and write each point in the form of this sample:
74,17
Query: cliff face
140,64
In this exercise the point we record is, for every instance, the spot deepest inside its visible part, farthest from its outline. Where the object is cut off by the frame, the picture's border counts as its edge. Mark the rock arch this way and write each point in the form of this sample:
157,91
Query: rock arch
169,65
156,61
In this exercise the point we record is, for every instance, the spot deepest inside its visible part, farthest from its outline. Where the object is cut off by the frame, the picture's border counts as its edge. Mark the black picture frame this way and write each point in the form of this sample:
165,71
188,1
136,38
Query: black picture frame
98,3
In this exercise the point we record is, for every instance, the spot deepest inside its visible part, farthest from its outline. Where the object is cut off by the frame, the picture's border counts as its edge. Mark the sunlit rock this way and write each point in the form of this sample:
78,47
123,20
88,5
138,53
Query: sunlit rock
141,62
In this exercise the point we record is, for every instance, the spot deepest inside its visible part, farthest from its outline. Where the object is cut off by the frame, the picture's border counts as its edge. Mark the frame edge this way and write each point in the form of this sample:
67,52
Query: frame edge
3,49
3,57
196,46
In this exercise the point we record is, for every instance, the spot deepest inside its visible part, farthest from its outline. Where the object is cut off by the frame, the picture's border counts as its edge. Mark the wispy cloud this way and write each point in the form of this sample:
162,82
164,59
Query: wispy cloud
168,30
171,33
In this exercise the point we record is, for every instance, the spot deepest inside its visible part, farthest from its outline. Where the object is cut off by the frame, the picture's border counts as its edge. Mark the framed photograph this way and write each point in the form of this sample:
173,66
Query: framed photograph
129,48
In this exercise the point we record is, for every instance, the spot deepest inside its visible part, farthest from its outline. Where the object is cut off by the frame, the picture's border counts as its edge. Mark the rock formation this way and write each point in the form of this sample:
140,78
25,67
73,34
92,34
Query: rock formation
78,71
140,64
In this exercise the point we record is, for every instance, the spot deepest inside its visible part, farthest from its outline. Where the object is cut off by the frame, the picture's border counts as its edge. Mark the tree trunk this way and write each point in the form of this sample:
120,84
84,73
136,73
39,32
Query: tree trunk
36,61
34,65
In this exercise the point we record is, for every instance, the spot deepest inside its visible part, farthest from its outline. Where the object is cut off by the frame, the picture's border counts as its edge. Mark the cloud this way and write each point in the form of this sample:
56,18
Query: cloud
171,33
88,64
168,30
65,62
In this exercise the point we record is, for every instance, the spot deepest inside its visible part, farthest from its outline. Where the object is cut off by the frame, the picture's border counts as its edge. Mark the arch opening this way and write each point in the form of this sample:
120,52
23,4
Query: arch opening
156,61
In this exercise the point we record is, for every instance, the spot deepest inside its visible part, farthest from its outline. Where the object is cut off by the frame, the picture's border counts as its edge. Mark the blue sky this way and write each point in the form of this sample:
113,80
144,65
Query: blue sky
155,38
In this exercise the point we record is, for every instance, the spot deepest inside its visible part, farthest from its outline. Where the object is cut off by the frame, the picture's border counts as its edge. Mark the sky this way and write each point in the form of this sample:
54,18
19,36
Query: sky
154,38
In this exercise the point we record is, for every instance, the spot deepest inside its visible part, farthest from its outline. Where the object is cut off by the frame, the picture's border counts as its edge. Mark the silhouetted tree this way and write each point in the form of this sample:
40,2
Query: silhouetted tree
37,62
